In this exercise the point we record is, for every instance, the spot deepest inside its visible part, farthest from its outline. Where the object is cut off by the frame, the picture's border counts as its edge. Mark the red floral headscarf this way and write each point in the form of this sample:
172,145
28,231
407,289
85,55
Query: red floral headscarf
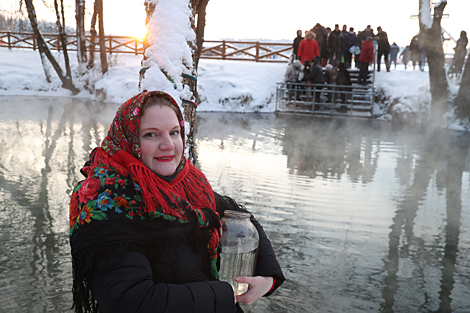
121,149
124,131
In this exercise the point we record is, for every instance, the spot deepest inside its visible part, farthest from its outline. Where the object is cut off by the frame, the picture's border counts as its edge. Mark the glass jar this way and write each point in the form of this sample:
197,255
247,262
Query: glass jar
239,248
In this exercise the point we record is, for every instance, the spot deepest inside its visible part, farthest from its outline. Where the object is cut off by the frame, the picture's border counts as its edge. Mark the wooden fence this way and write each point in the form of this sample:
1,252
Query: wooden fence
223,49
114,44
246,51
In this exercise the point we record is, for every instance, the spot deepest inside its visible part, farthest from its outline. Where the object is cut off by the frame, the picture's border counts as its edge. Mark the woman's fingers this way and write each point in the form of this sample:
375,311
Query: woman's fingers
258,287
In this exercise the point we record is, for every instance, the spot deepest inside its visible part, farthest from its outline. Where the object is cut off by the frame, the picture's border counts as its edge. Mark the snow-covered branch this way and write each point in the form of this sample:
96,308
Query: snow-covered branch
425,14
168,55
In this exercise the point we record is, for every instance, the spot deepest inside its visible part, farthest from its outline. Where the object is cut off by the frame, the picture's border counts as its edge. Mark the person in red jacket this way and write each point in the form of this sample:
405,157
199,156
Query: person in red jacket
308,48
367,56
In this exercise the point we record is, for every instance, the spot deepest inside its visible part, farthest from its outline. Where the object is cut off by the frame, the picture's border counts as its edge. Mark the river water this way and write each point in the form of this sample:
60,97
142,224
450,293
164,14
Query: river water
364,216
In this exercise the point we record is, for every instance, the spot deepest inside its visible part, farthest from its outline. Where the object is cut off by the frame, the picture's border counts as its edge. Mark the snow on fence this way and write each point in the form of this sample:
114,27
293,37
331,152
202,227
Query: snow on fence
223,49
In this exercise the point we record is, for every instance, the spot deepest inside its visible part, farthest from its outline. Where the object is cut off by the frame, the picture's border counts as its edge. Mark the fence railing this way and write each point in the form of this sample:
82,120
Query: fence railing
212,49
325,99
246,51
114,44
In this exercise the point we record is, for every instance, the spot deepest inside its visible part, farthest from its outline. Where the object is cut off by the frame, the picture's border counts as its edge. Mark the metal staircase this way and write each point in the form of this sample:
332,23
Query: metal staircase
356,100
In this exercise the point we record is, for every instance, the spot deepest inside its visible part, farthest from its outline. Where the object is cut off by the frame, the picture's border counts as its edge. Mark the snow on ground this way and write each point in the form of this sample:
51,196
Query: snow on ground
408,89
223,86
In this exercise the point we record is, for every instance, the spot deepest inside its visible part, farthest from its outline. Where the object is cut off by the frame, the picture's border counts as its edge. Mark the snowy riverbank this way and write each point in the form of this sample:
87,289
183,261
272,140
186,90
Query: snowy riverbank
223,86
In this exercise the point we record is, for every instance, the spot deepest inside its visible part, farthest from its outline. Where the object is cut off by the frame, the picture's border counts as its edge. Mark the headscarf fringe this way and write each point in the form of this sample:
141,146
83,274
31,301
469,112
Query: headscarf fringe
157,192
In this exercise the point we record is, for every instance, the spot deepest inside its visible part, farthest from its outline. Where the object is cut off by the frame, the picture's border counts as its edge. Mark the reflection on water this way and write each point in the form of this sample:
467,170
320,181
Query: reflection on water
364,217
44,144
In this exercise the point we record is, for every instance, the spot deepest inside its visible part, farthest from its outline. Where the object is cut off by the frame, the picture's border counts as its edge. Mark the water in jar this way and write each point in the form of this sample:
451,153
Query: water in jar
235,265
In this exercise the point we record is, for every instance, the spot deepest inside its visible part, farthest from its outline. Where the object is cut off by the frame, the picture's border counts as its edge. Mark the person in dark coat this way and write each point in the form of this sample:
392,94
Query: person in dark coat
349,40
296,43
325,53
145,223
368,31
394,49
357,50
382,49
330,78
343,79
367,56
315,77
460,53
416,51
320,32
406,56
335,43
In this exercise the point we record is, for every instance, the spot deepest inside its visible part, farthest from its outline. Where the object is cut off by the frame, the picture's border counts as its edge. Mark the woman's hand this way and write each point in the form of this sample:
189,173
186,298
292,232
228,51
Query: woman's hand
258,287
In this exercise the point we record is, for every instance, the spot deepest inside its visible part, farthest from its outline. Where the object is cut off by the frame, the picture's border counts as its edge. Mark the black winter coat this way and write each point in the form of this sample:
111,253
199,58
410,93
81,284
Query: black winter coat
335,40
349,40
171,279
296,44
383,44
316,75
342,77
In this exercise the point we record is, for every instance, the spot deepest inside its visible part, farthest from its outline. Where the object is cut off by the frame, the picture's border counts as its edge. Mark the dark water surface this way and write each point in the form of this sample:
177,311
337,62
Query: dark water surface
363,216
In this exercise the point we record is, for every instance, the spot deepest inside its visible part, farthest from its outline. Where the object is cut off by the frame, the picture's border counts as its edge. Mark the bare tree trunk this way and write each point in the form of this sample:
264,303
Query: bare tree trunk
199,29
62,35
104,61
44,49
91,58
45,66
462,101
188,80
81,39
432,39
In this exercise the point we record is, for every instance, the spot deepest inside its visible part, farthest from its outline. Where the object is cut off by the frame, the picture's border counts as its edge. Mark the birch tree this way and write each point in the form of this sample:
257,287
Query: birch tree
60,16
462,101
98,16
431,31
168,63
80,31
45,52
200,11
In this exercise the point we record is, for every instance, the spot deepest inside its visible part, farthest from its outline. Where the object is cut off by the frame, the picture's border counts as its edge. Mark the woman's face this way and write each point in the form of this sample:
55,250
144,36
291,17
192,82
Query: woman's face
161,145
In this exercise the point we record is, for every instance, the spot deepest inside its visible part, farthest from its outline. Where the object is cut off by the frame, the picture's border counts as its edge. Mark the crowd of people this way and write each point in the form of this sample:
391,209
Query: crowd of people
323,46
323,56
335,50
329,46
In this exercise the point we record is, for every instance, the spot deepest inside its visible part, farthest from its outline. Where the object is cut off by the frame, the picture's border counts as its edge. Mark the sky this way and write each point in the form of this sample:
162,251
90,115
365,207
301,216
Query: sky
276,20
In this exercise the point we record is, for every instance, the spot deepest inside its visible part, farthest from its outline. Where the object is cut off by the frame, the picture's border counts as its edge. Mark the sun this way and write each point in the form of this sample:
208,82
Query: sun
125,18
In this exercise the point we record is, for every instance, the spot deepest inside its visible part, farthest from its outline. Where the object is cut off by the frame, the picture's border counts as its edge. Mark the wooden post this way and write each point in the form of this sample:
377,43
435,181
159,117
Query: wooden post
223,50
135,41
34,42
9,40
257,51
58,43
110,44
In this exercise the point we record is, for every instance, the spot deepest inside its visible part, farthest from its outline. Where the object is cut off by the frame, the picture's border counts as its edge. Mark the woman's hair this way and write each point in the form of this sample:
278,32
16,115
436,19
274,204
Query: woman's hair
159,101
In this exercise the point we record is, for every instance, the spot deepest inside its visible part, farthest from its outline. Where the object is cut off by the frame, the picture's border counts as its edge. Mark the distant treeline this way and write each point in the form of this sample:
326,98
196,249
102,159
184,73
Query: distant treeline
14,24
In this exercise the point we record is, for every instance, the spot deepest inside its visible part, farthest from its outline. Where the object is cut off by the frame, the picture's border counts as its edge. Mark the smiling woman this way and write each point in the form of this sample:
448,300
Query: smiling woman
145,225
161,140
